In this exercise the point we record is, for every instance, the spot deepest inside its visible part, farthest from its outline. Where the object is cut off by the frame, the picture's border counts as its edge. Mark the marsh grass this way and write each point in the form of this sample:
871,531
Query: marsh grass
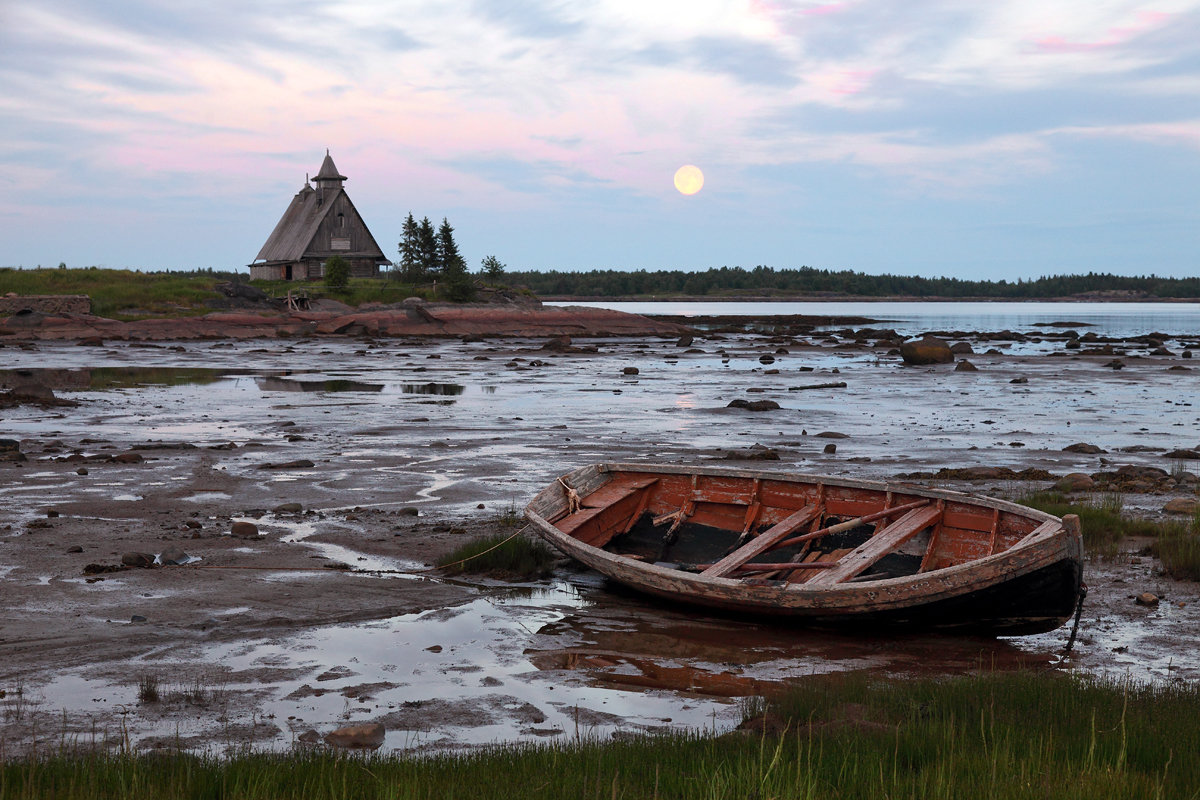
1015,735
1104,526
1178,548
500,555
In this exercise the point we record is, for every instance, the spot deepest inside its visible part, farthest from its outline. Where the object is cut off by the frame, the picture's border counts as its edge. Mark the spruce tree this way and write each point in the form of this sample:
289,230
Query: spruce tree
427,246
410,252
493,268
454,268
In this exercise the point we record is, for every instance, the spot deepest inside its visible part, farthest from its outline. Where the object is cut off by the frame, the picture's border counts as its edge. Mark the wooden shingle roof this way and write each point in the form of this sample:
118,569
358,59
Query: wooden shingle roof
297,226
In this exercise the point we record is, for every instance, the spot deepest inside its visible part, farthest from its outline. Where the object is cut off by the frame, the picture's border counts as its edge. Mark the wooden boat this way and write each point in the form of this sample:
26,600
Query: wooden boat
827,551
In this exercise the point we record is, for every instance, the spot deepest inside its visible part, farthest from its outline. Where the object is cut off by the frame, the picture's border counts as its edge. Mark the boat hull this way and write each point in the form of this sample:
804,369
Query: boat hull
1030,587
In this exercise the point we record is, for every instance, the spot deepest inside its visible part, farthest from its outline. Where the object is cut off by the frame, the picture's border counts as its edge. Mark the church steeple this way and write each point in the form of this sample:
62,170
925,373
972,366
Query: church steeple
329,177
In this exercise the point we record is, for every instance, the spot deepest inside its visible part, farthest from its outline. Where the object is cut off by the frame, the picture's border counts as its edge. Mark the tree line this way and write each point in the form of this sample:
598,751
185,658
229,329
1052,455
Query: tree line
810,281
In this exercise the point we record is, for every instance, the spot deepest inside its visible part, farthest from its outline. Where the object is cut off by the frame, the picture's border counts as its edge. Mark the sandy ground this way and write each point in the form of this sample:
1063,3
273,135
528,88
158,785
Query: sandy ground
331,615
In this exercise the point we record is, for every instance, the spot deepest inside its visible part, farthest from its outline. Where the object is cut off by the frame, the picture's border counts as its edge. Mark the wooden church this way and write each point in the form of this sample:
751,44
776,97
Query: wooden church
321,222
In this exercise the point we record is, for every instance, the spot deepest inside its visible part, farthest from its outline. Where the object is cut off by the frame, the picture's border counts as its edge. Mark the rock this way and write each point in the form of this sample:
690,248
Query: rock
1182,505
194,524
1073,344
1161,351
81,471
832,435
756,405
137,618
172,556
560,343
1019,380
1075,482
755,452
1083,447
629,371
766,359
929,350
965,366
134,559
1193,454
1116,363
300,463
287,508
1186,354
409,511
369,736
243,530
830,449
126,458
310,736
962,349
684,341
10,450
1147,599
74,549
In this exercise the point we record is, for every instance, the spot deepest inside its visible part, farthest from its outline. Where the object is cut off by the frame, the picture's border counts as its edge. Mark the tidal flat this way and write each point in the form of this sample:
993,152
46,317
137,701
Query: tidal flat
361,461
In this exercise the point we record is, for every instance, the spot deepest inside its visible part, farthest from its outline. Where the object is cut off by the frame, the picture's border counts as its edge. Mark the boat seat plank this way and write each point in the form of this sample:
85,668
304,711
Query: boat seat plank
763,542
615,491
879,545
572,522
1044,528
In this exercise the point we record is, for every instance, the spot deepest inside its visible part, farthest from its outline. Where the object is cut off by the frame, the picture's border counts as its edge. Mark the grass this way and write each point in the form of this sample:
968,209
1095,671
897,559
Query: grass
1104,526
129,294
120,293
1013,735
502,555
1176,542
359,290
1178,548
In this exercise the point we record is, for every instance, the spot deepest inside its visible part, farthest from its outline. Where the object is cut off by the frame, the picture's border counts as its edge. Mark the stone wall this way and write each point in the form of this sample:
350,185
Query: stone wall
46,303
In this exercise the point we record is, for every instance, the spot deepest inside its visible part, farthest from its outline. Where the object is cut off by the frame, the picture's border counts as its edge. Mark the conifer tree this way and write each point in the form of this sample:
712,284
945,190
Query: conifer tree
427,245
410,251
454,268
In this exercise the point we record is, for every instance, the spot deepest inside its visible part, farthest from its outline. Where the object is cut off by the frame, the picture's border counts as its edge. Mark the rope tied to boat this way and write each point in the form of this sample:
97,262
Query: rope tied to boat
1083,590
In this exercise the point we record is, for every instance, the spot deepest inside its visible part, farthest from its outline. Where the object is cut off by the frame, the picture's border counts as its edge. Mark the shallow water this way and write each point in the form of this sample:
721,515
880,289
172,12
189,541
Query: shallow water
914,318
446,434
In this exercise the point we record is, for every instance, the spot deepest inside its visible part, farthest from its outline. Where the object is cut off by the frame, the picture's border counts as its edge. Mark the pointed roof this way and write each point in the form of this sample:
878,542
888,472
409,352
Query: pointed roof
295,230
328,171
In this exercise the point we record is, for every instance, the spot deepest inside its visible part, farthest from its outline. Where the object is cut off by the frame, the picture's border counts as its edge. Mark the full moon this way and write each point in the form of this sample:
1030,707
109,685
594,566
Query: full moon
689,179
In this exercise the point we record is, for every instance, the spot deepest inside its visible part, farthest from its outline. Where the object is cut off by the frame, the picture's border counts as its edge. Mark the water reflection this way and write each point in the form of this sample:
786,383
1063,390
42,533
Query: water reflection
436,388
276,384
106,378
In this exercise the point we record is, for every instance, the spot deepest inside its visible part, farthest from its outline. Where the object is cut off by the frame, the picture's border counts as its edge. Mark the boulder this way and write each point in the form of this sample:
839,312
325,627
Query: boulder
928,350
755,405
962,349
171,556
300,463
1075,482
1191,454
369,736
684,341
287,508
244,530
1147,599
1083,447
629,370
133,559
1182,505
965,366
10,450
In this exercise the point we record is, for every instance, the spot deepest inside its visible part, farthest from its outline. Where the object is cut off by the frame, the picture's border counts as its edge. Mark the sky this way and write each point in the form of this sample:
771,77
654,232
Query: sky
986,140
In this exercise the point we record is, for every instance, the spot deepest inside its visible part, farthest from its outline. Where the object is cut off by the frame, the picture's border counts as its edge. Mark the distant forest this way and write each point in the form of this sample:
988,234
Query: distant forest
767,281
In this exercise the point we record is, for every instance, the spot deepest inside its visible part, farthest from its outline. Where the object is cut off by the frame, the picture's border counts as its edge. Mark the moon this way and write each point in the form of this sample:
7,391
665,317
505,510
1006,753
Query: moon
689,179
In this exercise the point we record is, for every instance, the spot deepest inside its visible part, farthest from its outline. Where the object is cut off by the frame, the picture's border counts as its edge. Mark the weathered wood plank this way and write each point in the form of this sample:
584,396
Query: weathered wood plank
879,545
762,542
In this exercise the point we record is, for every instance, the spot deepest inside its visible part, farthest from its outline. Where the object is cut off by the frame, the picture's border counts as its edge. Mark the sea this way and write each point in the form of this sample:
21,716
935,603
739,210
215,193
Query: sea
913,318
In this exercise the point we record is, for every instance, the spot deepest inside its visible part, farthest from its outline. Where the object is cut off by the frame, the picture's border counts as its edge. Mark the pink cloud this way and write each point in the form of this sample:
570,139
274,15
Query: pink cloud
1116,36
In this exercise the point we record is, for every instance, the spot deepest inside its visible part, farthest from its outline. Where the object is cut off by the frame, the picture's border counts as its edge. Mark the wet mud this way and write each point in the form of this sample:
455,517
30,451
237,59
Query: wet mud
331,614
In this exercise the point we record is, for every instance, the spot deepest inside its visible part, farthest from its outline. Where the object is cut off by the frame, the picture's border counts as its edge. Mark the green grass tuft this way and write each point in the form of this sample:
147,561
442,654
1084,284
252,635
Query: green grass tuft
518,557
1104,526
1178,548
